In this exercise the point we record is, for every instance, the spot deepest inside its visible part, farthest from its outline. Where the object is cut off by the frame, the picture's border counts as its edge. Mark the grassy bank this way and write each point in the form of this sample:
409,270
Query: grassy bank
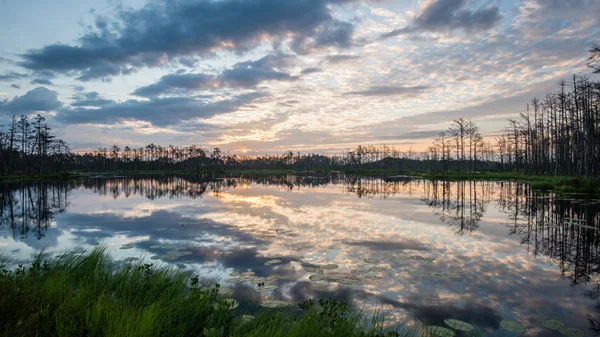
7,178
90,295
538,182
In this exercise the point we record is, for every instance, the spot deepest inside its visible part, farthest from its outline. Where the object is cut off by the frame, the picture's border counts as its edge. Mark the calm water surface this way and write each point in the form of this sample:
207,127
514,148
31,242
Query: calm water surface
476,251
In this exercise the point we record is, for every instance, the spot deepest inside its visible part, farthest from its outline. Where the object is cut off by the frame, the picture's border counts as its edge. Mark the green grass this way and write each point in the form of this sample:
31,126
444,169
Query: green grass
90,295
17,177
537,182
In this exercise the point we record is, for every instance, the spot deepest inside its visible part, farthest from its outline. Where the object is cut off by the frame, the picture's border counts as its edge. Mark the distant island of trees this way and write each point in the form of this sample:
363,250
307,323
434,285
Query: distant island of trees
556,135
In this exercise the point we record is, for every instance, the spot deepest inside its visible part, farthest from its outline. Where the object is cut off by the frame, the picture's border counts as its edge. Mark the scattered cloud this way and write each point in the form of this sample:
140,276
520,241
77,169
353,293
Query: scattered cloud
165,31
390,91
447,15
340,58
38,99
41,81
244,75
157,111
11,76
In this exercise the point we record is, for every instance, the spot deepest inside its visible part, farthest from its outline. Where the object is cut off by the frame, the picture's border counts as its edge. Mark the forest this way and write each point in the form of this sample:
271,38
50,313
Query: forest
555,135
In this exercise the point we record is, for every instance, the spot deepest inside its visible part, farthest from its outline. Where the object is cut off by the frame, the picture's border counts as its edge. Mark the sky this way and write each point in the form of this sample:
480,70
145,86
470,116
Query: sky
269,76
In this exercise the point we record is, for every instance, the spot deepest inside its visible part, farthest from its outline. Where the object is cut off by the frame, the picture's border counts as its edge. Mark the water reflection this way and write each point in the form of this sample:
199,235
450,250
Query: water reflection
522,255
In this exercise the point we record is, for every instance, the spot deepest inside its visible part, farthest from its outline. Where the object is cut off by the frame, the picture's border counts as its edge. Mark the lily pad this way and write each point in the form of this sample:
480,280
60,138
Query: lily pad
270,262
127,246
330,266
156,246
130,259
350,282
552,324
155,257
316,277
372,261
246,278
289,267
235,273
248,273
373,277
265,289
310,269
378,269
225,290
258,280
512,326
273,278
459,325
439,331
296,257
233,280
571,332
359,271
336,276
274,304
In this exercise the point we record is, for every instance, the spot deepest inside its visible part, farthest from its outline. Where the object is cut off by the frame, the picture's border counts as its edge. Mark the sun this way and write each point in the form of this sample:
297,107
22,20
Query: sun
245,150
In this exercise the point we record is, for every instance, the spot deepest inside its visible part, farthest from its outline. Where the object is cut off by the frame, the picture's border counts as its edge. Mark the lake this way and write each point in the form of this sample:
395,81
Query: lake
418,250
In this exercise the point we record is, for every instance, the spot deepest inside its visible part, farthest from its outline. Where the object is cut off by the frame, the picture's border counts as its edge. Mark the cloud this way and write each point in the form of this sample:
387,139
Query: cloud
310,71
447,15
165,31
340,58
41,81
10,76
5,60
158,111
90,99
38,99
390,91
242,75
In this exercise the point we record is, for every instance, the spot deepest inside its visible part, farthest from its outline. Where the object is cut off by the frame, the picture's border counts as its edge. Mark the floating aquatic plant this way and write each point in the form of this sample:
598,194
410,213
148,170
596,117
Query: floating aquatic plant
336,276
571,332
248,273
359,271
273,278
459,325
265,289
311,269
330,266
372,261
373,277
258,280
274,304
552,324
439,331
225,291
127,246
316,277
512,326
296,257
232,280
378,269
289,267
270,262
246,278
349,282
235,273
130,259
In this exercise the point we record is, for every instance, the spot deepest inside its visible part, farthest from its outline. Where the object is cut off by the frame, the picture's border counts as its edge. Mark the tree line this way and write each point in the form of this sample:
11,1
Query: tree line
28,146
